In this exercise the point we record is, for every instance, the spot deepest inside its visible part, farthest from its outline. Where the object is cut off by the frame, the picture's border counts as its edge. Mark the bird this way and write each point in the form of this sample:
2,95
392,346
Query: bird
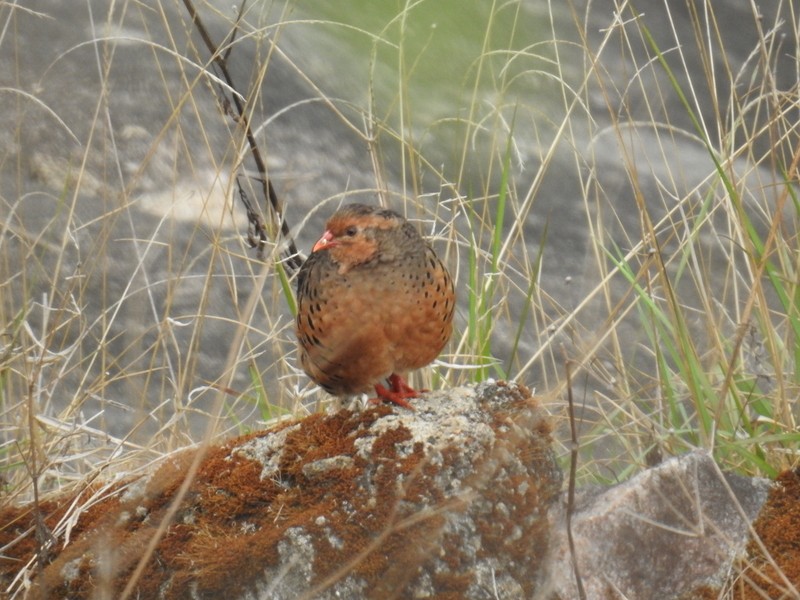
373,302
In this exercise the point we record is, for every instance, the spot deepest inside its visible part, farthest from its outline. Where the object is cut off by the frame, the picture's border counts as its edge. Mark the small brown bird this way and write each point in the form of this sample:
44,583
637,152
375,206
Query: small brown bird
373,301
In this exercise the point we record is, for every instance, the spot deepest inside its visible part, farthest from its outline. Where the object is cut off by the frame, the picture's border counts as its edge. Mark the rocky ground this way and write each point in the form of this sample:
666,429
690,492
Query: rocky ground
460,498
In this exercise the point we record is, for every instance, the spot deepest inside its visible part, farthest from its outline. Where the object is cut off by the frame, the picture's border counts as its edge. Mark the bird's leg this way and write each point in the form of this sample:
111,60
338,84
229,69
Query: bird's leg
400,386
389,396
397,393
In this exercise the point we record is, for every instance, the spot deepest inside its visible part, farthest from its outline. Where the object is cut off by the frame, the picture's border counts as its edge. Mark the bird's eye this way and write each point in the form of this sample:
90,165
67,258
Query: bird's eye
351,231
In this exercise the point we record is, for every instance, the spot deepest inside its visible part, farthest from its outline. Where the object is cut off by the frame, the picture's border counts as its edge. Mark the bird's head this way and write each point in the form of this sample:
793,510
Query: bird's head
355,233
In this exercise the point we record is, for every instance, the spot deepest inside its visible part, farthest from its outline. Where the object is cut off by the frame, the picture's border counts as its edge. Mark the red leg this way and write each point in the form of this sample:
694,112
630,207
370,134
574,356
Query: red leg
399,385
398,393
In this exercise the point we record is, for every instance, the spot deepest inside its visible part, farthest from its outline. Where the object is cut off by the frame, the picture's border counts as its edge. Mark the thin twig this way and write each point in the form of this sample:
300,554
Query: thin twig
258,226
573,467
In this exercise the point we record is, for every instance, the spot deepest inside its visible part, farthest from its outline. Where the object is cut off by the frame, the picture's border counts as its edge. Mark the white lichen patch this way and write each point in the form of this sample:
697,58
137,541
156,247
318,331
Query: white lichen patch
324,465
438,421
267,450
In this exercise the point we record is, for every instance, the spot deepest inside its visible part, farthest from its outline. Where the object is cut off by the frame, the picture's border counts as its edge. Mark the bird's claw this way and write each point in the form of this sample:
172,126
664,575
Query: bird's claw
398,393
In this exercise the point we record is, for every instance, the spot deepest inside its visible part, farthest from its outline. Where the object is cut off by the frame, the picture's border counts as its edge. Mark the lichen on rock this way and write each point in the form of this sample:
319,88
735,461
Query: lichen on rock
449,500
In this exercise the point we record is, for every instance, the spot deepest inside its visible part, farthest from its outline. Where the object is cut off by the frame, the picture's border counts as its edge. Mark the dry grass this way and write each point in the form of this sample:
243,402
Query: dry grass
609,196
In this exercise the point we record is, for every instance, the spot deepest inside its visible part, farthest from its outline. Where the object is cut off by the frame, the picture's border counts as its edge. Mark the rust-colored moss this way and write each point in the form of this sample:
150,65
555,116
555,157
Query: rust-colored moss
18,527
228,527
449,582
701,593
778,529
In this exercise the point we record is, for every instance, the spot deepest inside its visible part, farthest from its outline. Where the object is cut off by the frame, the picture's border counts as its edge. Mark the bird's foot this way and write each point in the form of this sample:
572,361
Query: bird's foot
400,386
398,393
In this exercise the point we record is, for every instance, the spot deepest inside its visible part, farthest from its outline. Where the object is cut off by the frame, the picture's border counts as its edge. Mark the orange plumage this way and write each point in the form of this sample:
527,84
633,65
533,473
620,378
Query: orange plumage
373,302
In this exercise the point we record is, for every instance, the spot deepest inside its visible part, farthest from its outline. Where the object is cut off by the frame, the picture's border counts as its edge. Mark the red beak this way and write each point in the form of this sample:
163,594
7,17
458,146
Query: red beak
326,241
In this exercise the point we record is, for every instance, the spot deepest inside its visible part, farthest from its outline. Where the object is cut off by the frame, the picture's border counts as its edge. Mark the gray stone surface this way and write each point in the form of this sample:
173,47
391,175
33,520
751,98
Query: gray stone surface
663,533
450,498
487,477
460,498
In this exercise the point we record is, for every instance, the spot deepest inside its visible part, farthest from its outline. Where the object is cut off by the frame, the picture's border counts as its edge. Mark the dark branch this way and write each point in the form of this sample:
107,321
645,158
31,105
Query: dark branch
258,227
573,466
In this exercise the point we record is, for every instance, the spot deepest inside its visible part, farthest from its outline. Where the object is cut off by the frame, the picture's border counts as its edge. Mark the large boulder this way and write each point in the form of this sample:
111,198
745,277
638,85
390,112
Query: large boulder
460,498
666,533
449,500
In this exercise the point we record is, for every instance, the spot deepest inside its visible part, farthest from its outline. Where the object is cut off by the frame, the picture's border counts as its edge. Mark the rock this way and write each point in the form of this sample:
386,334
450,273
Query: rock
449,500
460,498
771,568
663,534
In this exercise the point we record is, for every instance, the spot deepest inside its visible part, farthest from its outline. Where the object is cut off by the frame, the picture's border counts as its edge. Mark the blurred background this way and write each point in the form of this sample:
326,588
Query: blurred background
613,189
